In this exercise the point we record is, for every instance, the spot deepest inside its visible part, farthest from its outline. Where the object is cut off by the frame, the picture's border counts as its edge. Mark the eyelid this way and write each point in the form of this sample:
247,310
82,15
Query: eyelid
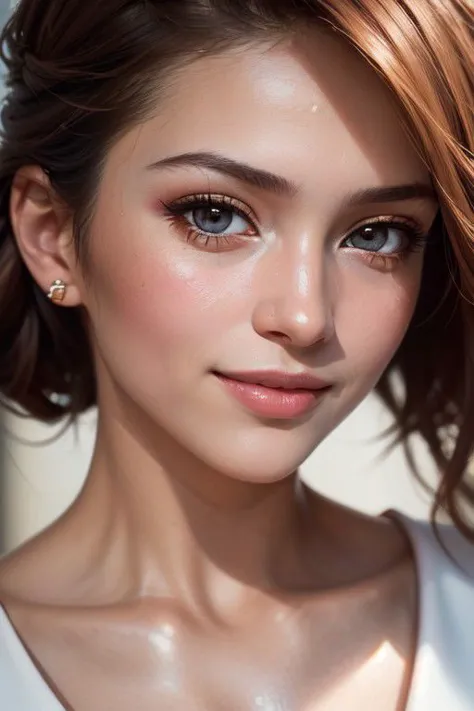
417,234
194,200
386,219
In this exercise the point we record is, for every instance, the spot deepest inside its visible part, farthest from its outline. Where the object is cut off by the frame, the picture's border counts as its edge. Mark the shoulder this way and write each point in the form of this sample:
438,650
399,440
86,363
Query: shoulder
445,570
444,562
441,550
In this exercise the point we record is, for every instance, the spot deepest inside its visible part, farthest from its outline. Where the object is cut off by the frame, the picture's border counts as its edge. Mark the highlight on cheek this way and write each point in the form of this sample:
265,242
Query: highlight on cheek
211,221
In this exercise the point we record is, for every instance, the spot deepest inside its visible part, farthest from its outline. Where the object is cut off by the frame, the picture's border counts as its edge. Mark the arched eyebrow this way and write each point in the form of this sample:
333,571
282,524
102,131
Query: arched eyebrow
271,182
392,193
243,172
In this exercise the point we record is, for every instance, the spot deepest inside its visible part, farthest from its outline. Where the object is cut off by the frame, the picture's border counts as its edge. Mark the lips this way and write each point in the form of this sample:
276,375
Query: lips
278,380
275,394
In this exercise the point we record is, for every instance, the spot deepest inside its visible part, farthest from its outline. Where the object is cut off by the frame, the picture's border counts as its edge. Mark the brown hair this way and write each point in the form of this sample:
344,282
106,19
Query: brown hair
80,73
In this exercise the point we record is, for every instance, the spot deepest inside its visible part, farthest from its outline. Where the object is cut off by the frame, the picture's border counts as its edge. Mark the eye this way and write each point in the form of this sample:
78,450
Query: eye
212,221
216,220
388,237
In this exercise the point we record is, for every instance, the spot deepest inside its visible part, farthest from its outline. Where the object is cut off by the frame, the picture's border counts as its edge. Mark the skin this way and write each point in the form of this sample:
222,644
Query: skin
194,571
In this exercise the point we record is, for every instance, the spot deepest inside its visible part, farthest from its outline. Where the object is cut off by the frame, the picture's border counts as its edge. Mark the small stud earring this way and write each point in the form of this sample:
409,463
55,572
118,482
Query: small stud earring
57,291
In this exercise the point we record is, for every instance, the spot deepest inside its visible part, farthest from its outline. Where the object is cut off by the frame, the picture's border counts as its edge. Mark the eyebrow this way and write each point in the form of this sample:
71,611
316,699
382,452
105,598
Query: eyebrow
279,185
240,171
394,193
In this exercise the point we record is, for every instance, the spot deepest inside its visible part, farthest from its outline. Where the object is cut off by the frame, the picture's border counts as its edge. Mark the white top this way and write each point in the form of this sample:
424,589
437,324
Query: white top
443,677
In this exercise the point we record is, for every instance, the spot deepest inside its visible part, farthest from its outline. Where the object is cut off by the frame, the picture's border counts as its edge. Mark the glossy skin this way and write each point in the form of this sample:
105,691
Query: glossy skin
194,571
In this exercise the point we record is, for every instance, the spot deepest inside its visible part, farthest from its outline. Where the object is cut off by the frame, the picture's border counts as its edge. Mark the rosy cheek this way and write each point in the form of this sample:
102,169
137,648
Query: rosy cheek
155,294
156,301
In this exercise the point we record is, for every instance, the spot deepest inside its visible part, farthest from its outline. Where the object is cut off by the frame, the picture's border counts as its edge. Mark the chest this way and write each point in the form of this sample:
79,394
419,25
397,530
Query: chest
291,660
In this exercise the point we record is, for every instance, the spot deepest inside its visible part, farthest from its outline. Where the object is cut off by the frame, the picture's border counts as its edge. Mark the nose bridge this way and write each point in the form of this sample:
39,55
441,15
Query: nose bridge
306,266
298,299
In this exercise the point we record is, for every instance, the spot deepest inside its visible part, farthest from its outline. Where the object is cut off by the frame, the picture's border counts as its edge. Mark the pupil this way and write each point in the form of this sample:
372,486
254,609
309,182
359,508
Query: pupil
214,214
368,234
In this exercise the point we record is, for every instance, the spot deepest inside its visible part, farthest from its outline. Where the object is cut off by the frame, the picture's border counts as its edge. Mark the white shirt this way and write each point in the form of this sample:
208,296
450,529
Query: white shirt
443,677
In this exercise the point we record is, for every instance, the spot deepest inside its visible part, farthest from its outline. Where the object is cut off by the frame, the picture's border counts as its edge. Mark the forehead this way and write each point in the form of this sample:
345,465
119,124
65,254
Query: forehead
309,108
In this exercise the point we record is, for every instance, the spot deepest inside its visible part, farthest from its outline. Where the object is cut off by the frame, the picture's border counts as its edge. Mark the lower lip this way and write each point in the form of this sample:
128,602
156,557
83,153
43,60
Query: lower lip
273,402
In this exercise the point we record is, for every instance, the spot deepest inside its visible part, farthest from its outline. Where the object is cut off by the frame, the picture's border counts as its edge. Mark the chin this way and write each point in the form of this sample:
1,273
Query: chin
262,456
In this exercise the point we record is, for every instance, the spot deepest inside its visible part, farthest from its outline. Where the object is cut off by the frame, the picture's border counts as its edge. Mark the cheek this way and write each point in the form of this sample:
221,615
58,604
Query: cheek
149,302
157,304
375,323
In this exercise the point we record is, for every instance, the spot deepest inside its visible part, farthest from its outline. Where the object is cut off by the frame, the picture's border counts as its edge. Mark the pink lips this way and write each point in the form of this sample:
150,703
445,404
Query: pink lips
275,394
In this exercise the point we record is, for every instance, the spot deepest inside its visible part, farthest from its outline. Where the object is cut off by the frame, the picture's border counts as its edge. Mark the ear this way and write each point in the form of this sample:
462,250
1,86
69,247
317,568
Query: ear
42,225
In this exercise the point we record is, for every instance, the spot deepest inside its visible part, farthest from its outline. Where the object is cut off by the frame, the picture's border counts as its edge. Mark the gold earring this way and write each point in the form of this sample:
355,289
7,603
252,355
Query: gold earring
57,291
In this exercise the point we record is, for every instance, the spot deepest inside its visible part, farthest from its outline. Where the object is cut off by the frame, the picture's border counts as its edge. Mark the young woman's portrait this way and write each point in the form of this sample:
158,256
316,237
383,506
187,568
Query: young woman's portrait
223,223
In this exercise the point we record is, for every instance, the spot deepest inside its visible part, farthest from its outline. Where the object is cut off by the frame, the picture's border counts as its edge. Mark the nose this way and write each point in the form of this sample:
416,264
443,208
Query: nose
295,305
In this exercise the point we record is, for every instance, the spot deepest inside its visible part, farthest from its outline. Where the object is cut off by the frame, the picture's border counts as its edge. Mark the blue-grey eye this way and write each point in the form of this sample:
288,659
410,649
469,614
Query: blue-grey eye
381,238
217,220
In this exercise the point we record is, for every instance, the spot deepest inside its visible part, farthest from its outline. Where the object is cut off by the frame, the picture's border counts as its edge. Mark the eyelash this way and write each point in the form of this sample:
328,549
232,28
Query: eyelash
177,210
416,236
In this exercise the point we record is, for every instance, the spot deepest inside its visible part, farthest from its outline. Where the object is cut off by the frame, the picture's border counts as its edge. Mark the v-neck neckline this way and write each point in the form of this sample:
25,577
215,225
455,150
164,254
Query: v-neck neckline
45,699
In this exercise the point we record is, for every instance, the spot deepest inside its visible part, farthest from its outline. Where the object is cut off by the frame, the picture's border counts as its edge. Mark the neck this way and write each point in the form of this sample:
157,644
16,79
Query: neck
164,525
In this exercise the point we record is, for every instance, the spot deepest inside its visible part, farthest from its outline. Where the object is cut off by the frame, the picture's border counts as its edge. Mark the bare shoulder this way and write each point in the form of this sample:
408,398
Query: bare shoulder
18,573
31,573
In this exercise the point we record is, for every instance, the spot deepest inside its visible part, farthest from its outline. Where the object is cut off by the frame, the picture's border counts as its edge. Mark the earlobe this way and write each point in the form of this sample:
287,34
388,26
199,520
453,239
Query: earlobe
42,227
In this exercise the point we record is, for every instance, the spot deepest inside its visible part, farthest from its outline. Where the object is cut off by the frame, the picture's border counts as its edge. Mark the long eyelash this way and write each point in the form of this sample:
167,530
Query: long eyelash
176,211
193,202
417,237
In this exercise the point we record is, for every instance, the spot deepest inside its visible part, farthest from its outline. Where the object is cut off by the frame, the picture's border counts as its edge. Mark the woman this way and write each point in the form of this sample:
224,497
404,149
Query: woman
225,223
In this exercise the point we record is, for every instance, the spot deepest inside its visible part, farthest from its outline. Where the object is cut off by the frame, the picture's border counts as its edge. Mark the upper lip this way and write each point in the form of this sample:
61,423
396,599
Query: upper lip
278,379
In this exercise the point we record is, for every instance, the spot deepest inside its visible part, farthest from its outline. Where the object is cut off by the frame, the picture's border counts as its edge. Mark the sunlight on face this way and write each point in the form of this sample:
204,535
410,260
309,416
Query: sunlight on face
270,216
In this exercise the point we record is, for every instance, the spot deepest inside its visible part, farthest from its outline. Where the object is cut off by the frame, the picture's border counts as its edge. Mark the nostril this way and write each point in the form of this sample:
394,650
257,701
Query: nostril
278,334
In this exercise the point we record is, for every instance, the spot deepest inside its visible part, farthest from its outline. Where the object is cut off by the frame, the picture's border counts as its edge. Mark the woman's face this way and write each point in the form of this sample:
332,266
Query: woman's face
267,221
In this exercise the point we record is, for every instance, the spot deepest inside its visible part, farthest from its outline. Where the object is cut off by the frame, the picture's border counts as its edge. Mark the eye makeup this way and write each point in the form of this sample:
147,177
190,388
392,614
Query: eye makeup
218,222
206,218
